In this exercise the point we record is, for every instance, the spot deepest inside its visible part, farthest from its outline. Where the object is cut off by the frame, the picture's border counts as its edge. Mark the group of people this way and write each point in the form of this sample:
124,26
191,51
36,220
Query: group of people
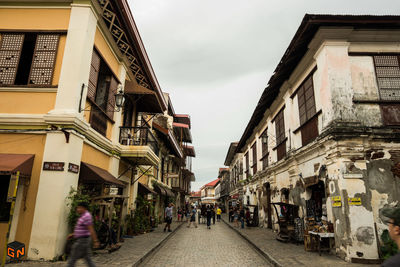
239,214
193,214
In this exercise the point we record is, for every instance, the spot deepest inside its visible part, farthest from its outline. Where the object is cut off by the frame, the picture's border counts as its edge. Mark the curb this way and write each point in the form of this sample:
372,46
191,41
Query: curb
157,247
268,257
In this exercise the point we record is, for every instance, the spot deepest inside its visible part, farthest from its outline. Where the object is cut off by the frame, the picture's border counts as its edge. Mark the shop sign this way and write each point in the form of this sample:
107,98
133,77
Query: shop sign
336,201
73,168
53,166
113,190
354,201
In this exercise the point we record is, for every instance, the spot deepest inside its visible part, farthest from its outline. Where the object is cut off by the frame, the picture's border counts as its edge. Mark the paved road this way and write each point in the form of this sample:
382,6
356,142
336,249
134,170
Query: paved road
200,246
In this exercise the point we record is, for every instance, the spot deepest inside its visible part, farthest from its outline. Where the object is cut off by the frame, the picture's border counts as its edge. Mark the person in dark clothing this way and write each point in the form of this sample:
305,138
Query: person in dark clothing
230,215
393,215
213,213
241,217
209,215
248,217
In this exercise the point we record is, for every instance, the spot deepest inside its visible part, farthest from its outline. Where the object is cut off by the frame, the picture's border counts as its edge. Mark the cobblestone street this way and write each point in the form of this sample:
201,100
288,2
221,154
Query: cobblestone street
219,246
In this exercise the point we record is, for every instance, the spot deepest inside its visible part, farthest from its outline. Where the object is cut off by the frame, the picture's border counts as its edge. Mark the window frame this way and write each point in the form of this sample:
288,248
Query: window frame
264,149
280,136
254,155
36,32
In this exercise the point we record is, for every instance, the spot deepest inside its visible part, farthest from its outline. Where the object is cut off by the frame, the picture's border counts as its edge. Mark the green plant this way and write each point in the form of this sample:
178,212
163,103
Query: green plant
141,217
74,197
389,247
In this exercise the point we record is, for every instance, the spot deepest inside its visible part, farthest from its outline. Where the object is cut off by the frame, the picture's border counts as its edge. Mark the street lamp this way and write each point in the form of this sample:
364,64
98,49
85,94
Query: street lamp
264,139
119,100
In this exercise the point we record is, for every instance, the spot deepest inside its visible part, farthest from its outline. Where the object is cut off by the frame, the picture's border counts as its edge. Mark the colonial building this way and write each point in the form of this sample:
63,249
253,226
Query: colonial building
208,192
324,136
78,97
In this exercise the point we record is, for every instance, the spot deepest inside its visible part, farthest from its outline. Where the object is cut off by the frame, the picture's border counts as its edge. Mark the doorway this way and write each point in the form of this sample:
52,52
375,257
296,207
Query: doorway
269,209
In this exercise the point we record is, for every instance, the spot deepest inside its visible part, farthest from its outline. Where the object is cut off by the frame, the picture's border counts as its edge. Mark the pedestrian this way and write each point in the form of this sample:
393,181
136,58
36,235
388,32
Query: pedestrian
230,214
192,217
241,216
179,214
248,216
82,232
198,215
209,215
219,211
393,215
168,217
213,213
236,217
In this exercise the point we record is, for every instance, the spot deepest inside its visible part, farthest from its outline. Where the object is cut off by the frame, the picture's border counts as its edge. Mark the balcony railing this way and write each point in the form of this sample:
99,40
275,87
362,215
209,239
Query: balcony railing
138,136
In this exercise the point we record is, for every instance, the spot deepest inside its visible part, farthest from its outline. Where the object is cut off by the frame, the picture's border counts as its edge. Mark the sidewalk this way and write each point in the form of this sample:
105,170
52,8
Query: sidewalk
132,252
286,254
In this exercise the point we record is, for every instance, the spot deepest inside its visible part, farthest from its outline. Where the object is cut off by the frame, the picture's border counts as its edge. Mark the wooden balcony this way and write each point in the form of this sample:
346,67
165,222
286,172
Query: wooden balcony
139,144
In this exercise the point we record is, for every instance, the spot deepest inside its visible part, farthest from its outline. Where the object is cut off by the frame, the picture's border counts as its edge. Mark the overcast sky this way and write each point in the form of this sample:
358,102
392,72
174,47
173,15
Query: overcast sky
215,57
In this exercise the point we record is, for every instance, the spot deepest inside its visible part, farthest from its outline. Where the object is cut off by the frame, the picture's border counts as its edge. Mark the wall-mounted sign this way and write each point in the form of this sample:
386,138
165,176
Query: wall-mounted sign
354,201
336,201
353,176
113,190
73,168
53,166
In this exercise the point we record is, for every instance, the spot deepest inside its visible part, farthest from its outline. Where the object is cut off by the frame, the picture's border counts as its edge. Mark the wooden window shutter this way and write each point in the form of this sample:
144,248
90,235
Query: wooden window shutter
10,52
44,58
93,76
387,69
111,98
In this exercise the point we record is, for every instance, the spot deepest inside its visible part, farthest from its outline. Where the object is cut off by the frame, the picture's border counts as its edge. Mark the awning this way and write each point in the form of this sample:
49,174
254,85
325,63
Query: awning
189,151
165,191
91,174
146,189
145,99
169,139
12,163
182,131
182,118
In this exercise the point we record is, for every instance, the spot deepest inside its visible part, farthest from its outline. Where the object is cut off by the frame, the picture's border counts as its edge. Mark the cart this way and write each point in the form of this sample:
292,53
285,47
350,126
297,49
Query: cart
286,221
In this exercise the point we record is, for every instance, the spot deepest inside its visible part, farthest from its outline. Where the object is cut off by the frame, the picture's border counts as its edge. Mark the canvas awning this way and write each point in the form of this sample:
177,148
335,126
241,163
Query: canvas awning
12,163
145,99
182,131
189,151
91,174
146,189
165,191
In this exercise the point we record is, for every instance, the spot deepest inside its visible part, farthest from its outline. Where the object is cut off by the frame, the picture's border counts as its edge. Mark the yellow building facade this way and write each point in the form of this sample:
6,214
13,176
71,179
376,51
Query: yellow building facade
61,65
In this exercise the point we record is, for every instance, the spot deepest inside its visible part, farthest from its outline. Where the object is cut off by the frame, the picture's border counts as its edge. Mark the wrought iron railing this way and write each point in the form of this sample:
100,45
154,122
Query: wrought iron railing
138,136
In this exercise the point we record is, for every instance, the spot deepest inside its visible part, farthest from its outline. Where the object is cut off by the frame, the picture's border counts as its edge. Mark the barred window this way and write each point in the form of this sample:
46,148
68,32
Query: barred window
27,58
388,76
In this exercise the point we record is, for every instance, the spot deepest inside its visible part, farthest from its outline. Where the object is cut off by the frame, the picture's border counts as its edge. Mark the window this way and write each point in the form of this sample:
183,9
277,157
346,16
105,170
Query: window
247,164
27,58
102,88
254,149
280,135
264,149
387,69
4,205
388,76
307,111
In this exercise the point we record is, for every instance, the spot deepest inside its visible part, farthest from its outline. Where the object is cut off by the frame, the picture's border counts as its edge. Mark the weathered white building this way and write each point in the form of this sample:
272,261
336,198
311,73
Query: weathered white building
325,134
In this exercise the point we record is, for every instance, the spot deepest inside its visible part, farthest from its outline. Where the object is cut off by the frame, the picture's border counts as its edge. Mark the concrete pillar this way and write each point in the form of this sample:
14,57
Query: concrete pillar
50,228
76,60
